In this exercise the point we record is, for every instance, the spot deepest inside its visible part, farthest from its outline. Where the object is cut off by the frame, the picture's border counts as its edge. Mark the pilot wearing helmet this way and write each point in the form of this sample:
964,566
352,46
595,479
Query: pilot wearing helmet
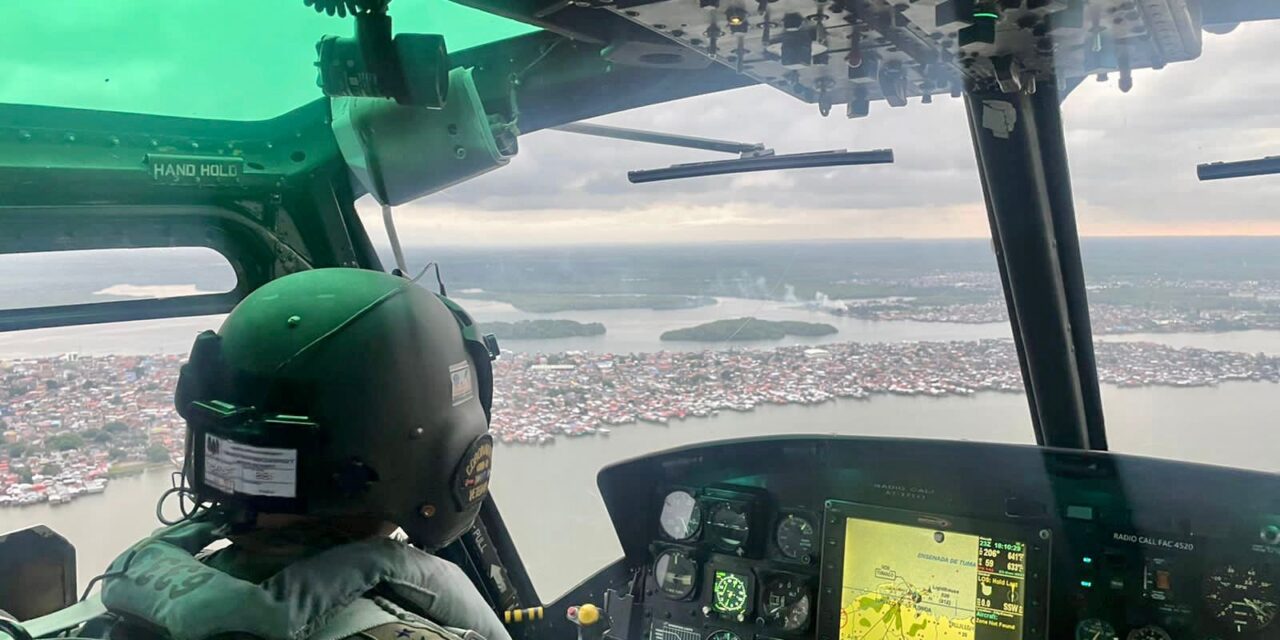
332,407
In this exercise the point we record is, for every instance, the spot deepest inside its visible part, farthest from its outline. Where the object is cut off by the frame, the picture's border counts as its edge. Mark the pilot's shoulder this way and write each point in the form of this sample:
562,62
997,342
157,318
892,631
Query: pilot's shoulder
400,630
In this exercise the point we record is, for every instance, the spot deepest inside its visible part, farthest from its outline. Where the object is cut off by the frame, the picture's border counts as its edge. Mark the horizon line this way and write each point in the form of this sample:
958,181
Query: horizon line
381,243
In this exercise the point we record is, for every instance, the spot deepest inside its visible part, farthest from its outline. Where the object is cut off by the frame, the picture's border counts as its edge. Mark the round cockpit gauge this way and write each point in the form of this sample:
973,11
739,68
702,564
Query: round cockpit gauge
1095,629
675,573
786,603
681,516
723,634
1150,632
1242,598
727,525
730,593
795,537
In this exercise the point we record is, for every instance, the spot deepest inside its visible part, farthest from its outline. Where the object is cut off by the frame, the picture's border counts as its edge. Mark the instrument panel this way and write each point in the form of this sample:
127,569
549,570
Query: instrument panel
865,538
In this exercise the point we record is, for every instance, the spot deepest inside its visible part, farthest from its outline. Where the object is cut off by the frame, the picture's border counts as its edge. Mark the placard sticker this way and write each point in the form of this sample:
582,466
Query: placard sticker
232,467
460,378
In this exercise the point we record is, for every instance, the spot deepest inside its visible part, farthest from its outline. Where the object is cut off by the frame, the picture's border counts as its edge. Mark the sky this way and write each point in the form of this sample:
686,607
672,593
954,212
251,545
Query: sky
1133,159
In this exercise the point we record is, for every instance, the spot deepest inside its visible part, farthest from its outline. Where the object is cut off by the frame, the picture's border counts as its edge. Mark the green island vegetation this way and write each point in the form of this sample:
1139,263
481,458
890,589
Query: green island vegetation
543,329
748,329
554,302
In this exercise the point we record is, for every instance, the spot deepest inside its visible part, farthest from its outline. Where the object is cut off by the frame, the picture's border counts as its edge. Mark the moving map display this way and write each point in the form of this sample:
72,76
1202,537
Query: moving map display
911,582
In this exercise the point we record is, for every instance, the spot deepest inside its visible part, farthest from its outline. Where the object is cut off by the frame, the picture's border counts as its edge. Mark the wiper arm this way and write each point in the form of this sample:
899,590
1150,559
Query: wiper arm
1240,169
745,149
835,158
752,156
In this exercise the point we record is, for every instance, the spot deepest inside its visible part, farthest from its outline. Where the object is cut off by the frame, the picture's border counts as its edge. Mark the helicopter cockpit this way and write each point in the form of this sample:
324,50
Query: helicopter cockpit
784,537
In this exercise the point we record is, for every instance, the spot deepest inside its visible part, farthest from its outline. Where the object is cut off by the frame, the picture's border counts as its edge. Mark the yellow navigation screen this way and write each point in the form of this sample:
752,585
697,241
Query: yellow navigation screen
902,581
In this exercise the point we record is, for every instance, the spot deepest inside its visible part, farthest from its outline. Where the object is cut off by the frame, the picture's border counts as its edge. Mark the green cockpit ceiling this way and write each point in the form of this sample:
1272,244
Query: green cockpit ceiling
221,59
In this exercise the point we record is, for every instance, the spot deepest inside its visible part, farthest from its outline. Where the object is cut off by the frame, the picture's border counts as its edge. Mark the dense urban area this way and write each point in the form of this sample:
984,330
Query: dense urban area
1116,306
71,422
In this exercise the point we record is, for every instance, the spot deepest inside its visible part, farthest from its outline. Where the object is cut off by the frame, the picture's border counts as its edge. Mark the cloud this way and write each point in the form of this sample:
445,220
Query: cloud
1132,156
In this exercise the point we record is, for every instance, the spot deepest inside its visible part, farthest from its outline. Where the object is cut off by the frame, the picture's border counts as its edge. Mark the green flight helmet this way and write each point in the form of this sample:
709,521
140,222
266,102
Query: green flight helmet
342,393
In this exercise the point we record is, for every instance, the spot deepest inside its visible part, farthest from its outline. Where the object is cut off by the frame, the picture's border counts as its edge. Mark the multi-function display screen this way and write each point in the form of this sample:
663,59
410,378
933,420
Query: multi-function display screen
904,581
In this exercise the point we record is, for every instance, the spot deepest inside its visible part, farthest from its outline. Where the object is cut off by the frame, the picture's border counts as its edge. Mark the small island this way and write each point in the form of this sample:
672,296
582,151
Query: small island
542,329
748,329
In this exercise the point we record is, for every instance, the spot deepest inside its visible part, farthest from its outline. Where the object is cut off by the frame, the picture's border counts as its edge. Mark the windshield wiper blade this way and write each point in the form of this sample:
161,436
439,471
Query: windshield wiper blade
1240,169
834,158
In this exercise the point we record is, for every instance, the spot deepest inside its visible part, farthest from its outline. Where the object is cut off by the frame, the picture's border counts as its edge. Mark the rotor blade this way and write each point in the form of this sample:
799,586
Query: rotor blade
1243,168
837,158
655,137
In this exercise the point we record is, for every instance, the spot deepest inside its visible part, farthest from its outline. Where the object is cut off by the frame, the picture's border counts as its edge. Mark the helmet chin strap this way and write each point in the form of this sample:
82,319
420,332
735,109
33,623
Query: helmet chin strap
389,222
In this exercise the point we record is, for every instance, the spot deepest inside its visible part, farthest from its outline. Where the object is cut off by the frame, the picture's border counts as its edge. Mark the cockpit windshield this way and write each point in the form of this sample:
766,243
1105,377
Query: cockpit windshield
229,60
631,317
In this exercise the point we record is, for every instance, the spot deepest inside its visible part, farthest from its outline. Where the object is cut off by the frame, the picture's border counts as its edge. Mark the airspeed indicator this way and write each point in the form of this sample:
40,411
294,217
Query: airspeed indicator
1243,598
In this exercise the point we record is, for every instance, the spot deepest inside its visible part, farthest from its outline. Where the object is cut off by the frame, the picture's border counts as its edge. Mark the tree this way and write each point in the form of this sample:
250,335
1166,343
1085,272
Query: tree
50,469
18,449
157,453
24,476
64,442
116,455
116,426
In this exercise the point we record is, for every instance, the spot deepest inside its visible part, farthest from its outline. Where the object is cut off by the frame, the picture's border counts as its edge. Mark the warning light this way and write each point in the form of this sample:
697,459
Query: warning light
1086,560
1088,584
988,15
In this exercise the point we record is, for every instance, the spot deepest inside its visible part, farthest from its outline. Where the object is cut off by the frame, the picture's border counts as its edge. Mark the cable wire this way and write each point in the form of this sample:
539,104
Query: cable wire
389,222
108,574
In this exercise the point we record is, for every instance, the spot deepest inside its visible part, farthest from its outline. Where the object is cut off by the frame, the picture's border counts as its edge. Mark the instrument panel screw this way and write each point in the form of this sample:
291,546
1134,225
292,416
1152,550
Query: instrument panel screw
1045,534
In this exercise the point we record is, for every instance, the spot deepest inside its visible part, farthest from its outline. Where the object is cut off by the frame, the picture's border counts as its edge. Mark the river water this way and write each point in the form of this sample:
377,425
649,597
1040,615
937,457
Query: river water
628,330
548,494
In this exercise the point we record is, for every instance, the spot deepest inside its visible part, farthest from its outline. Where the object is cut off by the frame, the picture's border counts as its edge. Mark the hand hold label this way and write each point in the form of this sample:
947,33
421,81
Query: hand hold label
194,170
